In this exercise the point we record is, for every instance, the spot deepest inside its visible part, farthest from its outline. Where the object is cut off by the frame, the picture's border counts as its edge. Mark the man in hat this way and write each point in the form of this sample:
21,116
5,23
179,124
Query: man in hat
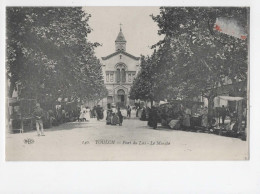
99,112
153,117
38,115
128,111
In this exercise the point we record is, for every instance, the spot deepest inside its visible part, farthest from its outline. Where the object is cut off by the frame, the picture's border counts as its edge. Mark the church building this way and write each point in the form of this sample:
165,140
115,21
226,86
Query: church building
119,70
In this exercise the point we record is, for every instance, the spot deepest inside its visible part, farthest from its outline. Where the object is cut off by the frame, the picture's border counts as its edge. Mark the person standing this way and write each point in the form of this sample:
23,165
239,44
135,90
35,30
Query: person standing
186,118
101,113
51,117
98,110
223,114
114,118
87,114
38,115
120,116
204,118
63,115
109,116
59,115
136,109
153,117
82,114
94,112
143,115
128,111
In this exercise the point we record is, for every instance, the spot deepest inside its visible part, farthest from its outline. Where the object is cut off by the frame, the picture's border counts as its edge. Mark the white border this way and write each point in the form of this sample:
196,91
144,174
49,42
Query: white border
139,177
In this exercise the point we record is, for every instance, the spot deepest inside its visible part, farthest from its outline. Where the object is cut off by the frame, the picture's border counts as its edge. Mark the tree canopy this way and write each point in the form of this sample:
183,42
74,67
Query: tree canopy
202,56
143,84
49,55
195,56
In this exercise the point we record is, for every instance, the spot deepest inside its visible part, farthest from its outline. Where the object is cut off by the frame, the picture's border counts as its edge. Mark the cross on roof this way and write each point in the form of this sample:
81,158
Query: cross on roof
120,26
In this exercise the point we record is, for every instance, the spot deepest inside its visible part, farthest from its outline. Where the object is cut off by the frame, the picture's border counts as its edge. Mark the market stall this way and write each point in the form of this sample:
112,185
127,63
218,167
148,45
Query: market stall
21,114
235,124
173,113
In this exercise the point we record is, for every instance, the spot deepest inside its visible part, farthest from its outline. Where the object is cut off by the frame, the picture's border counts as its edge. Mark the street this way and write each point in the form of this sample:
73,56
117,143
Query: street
94,140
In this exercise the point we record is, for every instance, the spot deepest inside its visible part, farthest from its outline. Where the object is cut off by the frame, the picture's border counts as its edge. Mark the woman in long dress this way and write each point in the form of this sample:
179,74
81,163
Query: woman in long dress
120,116
153,117
87,114
204,119
109,116
115,118
186,118
82,113
143,115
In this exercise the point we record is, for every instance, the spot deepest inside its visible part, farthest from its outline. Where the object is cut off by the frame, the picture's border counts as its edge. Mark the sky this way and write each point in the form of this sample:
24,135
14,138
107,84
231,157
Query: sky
139,29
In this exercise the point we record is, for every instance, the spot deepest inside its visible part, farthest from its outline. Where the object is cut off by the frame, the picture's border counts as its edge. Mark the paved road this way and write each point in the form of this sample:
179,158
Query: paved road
94,140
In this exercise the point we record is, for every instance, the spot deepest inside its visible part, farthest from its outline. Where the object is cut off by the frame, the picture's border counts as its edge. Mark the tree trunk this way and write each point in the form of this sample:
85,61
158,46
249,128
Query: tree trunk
11,89
210,109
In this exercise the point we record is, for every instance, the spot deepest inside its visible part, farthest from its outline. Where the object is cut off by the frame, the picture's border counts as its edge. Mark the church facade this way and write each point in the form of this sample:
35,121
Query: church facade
119,70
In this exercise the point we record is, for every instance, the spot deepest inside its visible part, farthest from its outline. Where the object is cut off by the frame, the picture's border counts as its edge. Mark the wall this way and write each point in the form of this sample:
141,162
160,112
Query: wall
132,64
109,65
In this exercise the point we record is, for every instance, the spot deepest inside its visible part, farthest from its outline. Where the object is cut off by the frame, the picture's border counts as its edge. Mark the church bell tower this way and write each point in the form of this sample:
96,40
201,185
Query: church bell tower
120,42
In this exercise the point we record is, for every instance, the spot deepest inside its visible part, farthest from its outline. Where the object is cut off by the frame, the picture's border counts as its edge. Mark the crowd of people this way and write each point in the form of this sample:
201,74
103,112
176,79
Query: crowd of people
47,119
175,116
86,113
114,115
193,117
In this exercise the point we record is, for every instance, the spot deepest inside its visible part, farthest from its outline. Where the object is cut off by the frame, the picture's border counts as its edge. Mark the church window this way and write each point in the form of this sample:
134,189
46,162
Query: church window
129,77
120,56
107,77
123,76
118,75
111,77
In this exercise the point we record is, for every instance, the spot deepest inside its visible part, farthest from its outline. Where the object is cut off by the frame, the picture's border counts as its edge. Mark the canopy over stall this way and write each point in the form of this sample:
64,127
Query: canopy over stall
21,113
230,98
239,107
163,102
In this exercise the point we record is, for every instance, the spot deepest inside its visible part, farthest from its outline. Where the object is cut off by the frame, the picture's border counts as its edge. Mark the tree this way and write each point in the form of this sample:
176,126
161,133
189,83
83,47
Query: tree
197,55
48,53
153,82
142,87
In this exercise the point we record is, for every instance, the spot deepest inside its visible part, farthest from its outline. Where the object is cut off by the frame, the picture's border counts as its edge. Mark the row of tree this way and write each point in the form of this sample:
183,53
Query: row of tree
49,55
195,57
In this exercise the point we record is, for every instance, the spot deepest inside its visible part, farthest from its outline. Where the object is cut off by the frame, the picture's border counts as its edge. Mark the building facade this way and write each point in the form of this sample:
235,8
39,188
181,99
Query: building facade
119,70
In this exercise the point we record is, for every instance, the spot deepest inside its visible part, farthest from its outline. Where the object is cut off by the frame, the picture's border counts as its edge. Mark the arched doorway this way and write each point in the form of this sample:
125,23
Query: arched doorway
121,97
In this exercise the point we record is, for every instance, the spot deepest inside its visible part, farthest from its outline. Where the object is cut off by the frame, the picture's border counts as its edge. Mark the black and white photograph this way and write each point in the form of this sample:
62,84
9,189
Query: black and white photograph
129,96
127,83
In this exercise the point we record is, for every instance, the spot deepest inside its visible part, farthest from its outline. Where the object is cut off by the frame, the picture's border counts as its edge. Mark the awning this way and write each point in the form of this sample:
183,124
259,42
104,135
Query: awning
230,98
163,102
